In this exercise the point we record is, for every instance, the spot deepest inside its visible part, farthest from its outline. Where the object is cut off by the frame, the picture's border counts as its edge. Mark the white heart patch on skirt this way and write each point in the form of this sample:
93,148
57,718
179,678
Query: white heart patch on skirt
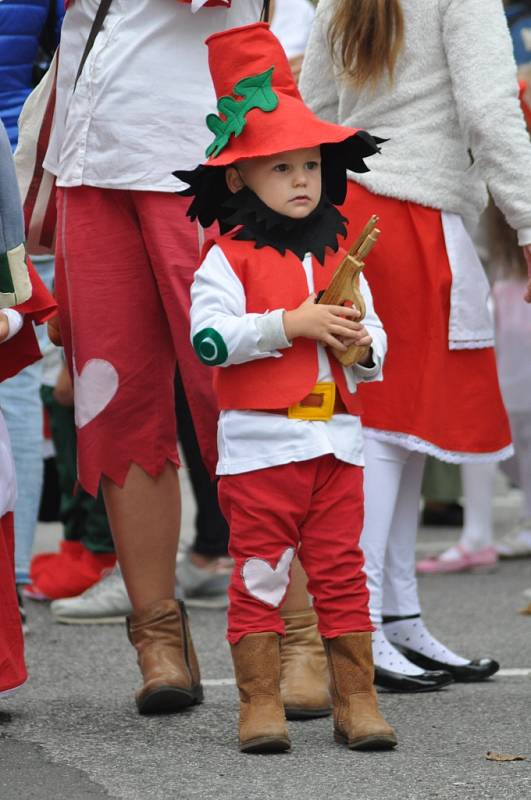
265,583
94,388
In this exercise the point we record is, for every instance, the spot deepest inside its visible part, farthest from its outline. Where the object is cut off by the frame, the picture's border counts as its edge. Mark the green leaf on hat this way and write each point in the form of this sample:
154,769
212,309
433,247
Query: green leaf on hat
256,92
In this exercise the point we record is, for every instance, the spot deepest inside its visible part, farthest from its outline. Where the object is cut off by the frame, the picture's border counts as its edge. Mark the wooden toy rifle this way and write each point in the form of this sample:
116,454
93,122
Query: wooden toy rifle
344,288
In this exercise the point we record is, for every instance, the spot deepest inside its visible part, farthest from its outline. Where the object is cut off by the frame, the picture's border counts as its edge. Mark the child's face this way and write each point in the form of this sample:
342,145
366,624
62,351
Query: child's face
289,183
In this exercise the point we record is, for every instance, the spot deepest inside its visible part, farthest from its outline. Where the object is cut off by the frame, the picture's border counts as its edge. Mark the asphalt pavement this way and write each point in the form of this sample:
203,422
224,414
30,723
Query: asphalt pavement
72,733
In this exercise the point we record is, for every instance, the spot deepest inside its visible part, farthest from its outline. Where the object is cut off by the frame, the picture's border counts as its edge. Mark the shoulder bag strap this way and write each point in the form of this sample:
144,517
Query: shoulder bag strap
97,25
265,11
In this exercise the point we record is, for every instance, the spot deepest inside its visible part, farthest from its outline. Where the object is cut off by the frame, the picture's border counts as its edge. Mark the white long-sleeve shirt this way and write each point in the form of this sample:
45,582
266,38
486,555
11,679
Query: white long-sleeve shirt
139,108
455,95
249,440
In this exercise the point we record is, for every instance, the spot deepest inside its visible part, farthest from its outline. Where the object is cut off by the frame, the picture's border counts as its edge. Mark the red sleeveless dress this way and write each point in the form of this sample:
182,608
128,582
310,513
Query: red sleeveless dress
432,399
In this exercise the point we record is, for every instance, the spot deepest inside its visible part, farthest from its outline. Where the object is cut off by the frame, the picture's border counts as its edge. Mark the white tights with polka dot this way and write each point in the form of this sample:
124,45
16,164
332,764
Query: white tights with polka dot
412,633
387,657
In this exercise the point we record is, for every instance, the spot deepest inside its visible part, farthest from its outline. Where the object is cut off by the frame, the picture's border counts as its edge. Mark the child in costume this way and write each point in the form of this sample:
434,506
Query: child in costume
289,434
23,300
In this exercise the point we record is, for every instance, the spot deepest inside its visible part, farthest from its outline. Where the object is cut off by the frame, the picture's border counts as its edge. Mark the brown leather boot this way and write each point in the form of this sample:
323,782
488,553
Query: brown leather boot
166,657
256,660
357,719
304,680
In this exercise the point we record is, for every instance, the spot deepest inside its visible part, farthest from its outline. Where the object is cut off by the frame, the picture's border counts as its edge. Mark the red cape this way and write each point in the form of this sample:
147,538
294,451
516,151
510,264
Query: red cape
23,349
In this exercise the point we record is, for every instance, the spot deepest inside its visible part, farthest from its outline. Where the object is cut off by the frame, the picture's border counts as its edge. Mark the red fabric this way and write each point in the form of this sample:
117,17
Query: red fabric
23,349
274,281
69,576
12,667
250,50
317,504
524,98
124,267
211,3
449,398
69,550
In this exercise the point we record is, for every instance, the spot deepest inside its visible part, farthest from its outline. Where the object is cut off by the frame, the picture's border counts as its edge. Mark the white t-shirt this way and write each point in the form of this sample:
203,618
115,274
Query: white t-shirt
139,108
249,440
292,23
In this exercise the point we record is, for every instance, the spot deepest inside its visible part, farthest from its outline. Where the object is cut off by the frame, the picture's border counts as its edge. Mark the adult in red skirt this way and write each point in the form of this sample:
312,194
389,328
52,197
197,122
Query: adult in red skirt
438,79
125,259
23,300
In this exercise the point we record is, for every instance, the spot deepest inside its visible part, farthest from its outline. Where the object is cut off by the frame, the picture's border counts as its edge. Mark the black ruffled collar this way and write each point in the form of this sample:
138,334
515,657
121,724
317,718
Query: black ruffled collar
263,226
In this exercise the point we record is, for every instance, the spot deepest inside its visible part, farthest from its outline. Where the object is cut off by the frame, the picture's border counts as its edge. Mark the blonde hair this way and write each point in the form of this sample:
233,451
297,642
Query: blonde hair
368,36
506,259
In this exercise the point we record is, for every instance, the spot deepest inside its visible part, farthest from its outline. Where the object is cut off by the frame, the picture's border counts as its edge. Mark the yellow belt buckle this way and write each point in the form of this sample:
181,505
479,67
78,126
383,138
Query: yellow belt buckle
324,412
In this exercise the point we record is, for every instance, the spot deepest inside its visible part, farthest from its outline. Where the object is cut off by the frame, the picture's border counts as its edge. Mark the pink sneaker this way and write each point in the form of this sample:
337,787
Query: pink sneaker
483,560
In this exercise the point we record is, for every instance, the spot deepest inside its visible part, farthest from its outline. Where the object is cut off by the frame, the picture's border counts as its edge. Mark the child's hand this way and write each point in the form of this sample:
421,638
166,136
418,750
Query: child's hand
4,327
361,337
326,324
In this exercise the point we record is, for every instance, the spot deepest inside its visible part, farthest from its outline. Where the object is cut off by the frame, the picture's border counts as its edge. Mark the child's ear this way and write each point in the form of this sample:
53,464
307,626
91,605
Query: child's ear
234,180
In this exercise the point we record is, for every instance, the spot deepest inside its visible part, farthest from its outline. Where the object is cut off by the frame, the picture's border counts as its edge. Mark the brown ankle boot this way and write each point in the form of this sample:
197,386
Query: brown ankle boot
304,680
357,719
166,657
256,660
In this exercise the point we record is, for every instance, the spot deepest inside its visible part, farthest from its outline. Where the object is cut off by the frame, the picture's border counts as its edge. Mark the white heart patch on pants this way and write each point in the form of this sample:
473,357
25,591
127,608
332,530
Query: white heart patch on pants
265,583
94,388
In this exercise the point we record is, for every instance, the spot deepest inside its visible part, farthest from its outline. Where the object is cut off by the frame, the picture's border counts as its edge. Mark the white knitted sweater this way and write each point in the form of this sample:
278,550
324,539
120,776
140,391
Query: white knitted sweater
455,93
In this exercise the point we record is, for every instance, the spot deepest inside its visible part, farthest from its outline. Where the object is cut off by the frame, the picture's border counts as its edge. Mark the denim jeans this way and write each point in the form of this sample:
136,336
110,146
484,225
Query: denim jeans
21,405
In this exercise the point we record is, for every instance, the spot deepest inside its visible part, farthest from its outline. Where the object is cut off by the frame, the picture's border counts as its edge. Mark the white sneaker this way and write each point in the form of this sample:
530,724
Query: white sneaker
205,587
517,543
105,602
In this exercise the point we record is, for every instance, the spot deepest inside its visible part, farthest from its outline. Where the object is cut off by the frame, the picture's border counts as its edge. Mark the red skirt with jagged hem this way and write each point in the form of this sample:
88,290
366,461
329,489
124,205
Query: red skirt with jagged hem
433,399
12,666
125,262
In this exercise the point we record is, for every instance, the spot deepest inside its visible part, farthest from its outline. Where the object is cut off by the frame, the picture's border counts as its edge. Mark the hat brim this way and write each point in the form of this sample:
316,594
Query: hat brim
291,126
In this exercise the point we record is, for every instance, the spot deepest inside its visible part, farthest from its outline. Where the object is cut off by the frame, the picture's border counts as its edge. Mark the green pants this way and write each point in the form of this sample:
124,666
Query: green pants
442,481
83,516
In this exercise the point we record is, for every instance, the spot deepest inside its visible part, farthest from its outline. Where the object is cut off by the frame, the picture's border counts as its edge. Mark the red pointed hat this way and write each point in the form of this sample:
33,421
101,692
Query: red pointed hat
261,111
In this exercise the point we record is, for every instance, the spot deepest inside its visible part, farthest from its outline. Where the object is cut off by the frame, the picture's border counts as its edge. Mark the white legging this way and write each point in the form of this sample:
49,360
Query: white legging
478,489
393,477
521,429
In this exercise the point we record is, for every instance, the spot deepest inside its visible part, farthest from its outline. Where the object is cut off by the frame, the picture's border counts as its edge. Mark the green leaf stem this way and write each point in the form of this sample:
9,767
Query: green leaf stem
255,92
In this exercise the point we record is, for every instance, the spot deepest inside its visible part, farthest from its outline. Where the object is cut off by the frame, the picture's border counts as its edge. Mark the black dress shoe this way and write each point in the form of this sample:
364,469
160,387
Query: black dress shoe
478,670
397,682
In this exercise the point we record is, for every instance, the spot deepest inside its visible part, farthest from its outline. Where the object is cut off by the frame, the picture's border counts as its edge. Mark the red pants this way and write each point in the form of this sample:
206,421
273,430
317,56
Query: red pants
310,508
124,265
12,667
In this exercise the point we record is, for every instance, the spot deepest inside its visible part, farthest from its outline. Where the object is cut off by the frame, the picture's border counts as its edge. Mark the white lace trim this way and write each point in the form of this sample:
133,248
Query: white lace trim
410,442
475,344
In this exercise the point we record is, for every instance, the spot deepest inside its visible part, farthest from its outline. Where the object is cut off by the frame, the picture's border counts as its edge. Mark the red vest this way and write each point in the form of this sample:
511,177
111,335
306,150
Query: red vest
273,281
